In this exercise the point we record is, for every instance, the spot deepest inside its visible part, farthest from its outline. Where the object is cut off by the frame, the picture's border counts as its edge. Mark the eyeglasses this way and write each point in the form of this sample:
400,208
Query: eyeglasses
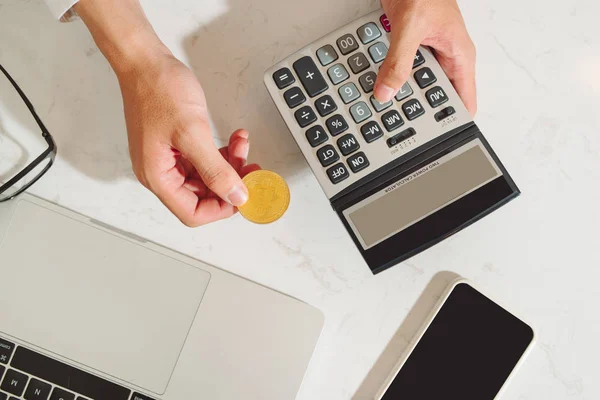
29,175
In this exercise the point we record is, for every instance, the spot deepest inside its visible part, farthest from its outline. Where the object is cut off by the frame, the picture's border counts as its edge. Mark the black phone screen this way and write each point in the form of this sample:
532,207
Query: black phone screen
467,352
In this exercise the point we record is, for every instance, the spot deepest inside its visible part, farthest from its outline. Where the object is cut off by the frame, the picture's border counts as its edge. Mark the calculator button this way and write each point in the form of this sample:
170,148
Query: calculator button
371,131
327,55
413,109
316,135
378,52
283,78
379,106
404,92
337,173
360,111
367,81
327,155
392,120
294,97
385,22
436,96
368,32
445,113
336,125
349,92
347,44
305,116
425,77
310,76
358,162
419,59
400,137
358,62
348,144
325,105
338,74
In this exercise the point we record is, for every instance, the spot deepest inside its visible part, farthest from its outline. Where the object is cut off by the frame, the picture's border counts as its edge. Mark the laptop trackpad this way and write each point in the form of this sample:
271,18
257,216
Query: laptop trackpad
96,298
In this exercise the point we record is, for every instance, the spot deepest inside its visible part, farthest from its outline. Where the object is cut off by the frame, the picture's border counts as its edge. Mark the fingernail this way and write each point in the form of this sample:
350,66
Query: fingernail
383,93
238,196
244,134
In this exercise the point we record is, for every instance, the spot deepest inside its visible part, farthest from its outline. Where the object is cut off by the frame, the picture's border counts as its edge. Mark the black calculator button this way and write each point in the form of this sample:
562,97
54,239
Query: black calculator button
14,382
338,74
310,76
358,162
283,78
425,77
368,32
400,137
436,96
360,111
404,92
445,113
336,125
358,63
371,131
367,81
326,55
337,173
419,59
347,44
378,52
380,106
294,97
316,135
348,144
413,109
325,105
305,116
327,155
392,120
349,92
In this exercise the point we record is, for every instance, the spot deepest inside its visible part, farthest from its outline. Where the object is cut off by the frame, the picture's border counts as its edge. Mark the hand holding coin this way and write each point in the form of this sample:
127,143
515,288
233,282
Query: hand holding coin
268,197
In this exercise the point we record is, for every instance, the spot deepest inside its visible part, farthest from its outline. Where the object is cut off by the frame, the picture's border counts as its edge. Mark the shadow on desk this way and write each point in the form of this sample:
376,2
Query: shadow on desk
404,335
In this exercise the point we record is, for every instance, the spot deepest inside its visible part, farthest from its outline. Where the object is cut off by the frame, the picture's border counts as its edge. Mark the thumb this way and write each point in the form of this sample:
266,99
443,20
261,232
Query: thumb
216,173
398,63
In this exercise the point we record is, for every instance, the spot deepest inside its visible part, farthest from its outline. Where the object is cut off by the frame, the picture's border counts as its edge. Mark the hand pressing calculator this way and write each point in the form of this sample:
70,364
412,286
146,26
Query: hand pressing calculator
402,175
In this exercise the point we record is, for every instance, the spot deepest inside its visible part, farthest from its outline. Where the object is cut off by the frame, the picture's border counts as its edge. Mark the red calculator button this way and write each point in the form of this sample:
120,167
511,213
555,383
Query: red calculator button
385,22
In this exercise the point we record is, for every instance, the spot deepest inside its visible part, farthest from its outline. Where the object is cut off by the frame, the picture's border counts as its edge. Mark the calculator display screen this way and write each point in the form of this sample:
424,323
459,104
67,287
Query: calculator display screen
421,193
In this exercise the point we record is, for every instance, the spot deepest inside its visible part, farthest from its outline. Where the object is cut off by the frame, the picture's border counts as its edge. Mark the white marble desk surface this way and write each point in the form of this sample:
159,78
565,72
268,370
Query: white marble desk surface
539,102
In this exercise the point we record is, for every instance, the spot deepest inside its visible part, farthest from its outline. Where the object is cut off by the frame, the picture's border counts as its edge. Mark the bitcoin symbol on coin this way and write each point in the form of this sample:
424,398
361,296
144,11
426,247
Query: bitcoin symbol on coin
268,197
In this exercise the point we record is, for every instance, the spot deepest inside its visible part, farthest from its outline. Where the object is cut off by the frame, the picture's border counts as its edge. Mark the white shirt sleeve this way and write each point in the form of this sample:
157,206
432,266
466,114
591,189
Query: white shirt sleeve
62,9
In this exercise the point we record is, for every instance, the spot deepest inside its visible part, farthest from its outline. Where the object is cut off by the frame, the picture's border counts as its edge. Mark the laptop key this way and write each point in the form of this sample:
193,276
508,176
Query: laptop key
3,396
137,396
14,382
61,394
37,390
6,350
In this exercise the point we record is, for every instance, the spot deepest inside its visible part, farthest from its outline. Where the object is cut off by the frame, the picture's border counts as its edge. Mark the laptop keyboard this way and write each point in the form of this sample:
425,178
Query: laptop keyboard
28,375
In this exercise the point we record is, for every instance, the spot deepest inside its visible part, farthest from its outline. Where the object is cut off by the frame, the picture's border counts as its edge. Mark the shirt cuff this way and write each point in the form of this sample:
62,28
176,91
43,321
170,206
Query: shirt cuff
63,9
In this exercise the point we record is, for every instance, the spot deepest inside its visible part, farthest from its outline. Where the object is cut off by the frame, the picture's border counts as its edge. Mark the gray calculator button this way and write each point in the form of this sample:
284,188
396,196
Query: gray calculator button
367,81
436,96
368,32
338,74
378,52
347,44
379,106
326,55
358,62
360,111
413,109
404,92
327,155
349,92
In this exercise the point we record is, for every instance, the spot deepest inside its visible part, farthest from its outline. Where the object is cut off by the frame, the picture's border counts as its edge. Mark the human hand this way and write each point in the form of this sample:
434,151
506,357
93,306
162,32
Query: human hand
434,23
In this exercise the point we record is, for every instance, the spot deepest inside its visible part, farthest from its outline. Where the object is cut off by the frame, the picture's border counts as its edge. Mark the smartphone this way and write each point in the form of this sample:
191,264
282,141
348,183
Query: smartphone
467,350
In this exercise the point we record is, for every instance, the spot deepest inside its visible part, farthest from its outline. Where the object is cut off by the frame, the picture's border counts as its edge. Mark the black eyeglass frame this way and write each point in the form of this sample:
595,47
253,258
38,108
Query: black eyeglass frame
49,153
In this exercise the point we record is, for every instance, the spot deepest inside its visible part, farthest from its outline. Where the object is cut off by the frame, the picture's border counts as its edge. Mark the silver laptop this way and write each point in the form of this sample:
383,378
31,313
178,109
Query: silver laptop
87,312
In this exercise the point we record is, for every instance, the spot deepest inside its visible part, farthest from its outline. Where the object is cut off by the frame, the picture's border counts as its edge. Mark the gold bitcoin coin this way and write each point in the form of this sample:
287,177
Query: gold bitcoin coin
268,197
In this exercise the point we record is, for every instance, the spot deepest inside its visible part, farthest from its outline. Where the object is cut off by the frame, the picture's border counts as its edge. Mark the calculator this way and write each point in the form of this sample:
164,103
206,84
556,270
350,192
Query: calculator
402,175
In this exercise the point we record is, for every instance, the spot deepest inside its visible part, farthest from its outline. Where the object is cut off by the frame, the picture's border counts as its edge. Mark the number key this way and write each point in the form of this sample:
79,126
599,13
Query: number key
404,92
338,74
349,93
337,173
367,81
378,52
380,106
358,63
316,135
360,111
327,155
347,44
368,32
